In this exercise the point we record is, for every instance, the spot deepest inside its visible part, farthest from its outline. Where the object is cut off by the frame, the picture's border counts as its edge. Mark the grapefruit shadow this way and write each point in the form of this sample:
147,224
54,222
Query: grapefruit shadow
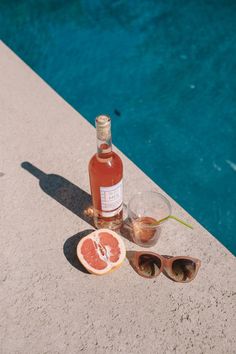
69,249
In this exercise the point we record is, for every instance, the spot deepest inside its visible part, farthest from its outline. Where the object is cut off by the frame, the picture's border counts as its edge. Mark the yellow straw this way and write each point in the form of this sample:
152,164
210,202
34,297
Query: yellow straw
175,218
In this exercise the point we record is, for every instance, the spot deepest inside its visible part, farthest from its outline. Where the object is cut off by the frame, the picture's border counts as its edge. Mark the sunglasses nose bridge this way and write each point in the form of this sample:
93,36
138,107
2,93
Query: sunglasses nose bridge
167,263
162,263
161,267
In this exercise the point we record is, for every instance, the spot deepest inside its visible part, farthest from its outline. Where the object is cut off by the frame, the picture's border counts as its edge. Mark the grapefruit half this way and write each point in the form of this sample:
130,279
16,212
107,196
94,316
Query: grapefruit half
101,251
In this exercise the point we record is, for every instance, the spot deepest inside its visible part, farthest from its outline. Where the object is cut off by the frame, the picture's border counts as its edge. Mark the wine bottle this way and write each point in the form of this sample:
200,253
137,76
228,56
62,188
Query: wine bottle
106,174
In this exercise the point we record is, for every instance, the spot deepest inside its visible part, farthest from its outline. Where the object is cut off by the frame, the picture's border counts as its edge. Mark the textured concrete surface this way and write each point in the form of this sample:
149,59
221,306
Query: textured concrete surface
48,304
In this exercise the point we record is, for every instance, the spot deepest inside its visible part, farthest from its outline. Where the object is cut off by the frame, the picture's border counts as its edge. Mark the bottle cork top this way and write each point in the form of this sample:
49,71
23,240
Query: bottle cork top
103,120
103,126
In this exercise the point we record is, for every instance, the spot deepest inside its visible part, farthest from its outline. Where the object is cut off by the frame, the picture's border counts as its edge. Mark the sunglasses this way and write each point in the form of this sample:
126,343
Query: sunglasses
149,265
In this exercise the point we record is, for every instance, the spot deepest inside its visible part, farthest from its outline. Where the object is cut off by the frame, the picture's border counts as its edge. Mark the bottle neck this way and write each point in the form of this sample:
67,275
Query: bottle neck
103,128
104,147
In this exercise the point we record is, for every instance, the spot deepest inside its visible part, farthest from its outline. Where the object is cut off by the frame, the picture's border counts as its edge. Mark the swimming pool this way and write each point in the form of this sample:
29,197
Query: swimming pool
164,71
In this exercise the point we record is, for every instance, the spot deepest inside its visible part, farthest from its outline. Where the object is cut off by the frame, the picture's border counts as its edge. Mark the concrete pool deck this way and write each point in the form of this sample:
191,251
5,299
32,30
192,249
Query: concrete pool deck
48,305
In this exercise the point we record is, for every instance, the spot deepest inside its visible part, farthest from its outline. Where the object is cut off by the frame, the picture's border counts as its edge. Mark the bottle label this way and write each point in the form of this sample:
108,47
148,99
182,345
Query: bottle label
109,214
111,197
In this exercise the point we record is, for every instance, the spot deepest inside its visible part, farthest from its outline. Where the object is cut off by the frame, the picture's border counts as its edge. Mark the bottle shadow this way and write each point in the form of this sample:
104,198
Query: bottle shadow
71,197
63,191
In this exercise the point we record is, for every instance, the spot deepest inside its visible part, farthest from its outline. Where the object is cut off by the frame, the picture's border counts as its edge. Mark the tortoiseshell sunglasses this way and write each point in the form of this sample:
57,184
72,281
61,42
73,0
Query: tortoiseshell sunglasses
180,269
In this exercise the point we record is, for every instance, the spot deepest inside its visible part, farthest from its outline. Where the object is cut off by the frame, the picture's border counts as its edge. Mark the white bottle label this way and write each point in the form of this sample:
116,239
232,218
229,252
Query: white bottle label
111,197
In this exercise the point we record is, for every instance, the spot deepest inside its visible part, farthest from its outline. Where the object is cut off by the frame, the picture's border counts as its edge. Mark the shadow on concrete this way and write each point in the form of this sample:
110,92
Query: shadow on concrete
126,230
73,198
69,249
63,191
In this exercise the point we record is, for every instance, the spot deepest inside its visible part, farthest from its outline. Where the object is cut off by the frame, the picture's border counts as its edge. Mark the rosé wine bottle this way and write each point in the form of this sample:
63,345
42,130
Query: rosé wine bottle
106,174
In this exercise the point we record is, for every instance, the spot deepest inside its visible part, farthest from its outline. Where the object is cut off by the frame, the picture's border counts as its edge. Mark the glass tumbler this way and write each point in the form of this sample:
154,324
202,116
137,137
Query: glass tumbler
146,212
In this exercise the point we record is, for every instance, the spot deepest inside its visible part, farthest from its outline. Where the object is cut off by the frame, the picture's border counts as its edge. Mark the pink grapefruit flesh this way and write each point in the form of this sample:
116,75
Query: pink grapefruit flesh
101,251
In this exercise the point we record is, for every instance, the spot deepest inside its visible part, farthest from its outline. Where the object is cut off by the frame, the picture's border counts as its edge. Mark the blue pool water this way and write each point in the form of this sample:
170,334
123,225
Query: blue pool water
166,73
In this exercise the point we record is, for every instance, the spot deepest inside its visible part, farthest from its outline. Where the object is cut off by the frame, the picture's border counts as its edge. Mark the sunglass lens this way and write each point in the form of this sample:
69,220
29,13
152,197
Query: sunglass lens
183,269
149,265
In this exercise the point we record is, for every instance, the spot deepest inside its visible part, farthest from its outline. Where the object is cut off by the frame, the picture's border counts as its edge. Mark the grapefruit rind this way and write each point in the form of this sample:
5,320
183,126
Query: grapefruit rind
103,253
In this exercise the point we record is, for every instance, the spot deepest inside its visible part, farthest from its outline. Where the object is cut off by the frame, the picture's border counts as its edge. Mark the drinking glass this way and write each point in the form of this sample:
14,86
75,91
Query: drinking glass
147,211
